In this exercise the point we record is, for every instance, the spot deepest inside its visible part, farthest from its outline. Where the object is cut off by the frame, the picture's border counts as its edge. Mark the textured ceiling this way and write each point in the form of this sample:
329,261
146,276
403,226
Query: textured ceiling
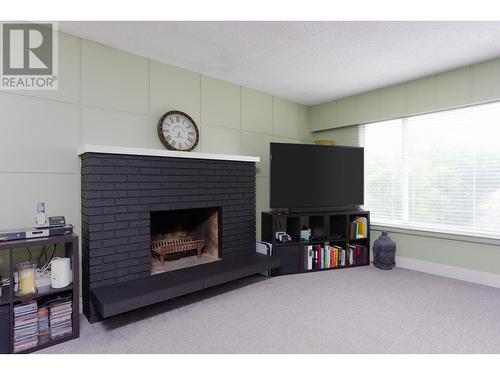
307,62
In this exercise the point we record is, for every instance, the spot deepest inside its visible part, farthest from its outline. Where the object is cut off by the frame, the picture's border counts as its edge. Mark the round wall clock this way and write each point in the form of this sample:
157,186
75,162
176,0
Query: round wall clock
178,131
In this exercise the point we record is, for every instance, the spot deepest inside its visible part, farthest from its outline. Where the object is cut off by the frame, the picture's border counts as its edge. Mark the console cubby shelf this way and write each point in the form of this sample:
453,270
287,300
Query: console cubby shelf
330,227
67,246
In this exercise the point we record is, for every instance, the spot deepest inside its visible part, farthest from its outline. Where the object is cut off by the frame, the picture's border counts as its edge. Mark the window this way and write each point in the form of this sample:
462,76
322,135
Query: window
438,171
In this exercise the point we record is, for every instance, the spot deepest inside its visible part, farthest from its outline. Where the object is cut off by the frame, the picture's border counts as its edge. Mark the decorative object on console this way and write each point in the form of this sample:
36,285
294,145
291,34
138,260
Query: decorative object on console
178,131
305,234
324,142
26,272
384,252
40,219
283,237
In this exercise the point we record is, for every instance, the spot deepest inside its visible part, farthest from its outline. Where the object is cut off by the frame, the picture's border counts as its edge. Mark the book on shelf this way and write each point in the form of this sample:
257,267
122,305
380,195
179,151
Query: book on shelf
358,254
359,228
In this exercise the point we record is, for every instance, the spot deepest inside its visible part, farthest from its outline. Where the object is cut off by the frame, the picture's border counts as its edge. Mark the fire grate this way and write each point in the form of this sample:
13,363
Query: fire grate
160,248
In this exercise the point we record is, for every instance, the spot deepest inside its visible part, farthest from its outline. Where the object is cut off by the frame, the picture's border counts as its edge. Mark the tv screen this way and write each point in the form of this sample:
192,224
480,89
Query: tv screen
314,176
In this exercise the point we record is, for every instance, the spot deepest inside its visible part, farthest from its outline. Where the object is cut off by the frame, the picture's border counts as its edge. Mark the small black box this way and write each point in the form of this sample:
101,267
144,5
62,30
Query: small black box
57,221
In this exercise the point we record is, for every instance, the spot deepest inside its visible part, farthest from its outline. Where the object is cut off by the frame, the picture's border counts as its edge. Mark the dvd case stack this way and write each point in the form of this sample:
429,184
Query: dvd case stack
60,319
43,325
25,326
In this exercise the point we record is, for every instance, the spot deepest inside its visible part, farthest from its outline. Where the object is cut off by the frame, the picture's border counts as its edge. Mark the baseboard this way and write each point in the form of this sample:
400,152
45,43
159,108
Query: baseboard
478,277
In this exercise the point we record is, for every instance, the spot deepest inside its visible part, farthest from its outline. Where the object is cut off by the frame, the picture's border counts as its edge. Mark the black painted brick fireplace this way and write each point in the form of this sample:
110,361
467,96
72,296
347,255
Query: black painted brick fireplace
120,191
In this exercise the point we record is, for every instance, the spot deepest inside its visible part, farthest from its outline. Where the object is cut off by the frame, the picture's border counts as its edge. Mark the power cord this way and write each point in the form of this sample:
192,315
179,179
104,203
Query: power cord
46,267
44,254
44,271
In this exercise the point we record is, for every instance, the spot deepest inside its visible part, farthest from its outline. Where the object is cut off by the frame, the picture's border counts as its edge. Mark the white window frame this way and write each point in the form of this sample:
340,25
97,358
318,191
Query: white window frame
405,227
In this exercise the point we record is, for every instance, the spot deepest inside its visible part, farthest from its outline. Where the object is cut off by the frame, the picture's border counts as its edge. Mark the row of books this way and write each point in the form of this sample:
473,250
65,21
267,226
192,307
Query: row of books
318,257
359,228
35,325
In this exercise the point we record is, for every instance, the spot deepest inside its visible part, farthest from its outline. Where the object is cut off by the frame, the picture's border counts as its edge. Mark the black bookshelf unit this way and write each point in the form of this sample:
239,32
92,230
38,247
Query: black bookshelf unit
331,228
65,245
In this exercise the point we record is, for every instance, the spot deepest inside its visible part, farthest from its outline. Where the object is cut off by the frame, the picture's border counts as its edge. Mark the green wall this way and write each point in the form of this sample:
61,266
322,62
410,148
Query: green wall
110,97
474,84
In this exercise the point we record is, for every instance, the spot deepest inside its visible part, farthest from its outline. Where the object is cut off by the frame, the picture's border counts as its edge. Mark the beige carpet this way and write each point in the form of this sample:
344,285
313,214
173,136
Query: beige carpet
363,310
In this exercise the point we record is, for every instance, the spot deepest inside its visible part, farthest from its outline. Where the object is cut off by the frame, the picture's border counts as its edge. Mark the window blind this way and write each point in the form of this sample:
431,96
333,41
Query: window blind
438,171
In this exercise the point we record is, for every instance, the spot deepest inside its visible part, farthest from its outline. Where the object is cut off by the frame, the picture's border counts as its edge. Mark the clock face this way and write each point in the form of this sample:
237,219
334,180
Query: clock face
178,131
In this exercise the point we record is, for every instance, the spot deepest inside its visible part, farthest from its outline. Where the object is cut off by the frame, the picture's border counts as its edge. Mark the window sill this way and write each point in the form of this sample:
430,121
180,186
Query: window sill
448,235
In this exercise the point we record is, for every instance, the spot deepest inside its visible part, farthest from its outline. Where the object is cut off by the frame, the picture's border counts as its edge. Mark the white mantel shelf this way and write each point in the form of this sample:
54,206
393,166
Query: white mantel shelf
163,153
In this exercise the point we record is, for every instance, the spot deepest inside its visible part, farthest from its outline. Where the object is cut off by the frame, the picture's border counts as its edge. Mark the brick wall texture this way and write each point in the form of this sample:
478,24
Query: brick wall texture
120,191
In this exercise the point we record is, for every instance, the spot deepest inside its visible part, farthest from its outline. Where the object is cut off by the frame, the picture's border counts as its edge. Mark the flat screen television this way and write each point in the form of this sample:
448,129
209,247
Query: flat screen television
316,176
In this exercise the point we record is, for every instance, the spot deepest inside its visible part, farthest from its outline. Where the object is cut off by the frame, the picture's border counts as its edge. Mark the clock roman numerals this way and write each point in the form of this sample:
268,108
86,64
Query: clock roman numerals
178,131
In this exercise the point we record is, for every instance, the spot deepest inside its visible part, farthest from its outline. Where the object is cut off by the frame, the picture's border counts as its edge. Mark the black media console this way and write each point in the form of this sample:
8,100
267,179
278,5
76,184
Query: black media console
332,230
62,246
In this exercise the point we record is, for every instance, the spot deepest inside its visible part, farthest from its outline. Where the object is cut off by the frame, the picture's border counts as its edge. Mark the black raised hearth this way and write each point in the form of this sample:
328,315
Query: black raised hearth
130,295
121,194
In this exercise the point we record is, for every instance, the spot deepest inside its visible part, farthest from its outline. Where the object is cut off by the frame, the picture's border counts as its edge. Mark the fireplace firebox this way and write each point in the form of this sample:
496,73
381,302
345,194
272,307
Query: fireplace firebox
183,238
